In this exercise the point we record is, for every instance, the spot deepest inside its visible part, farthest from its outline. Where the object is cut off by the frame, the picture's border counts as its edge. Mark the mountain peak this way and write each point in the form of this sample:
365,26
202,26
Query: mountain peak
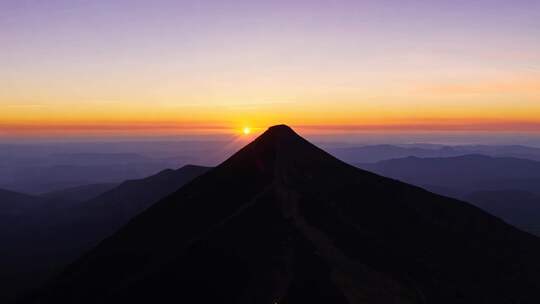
282,128
280,147
280,132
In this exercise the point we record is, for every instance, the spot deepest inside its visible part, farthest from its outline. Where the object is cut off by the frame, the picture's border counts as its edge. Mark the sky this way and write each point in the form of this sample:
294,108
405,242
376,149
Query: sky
141,68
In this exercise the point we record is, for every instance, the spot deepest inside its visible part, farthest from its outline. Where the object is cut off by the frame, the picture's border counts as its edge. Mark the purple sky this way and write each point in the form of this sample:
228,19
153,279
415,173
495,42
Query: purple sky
235,62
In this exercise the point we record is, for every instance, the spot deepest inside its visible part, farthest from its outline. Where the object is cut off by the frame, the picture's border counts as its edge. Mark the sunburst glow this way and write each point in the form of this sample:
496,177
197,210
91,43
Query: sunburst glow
246,130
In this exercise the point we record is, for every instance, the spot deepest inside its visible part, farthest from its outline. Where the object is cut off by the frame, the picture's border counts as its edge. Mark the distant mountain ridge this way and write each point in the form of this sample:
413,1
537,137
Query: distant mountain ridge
53,172
80,193
375,153
461,171
13,203
281,221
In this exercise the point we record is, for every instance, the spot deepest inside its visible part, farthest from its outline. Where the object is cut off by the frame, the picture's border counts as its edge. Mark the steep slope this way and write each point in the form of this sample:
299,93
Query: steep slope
281,221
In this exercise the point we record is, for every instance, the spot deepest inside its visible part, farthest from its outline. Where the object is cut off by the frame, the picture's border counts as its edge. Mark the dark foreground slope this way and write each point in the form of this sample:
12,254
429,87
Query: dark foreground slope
283,222
19,213
39,236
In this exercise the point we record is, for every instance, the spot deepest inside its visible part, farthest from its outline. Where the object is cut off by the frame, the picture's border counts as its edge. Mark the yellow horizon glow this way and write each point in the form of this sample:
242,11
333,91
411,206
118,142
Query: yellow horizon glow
510,103
156,119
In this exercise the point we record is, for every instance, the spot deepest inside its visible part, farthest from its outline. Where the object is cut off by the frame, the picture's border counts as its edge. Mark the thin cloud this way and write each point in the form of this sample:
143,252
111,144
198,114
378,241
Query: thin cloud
486,87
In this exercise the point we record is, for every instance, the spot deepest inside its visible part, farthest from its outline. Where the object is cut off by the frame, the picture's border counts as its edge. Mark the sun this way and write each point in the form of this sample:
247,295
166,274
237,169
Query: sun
246,130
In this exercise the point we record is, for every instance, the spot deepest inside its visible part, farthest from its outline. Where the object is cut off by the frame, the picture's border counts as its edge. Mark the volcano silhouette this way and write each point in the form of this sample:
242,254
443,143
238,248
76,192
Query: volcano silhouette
282,221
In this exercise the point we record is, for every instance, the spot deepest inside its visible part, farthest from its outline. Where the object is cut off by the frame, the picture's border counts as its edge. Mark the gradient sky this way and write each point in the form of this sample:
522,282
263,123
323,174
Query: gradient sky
169,67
